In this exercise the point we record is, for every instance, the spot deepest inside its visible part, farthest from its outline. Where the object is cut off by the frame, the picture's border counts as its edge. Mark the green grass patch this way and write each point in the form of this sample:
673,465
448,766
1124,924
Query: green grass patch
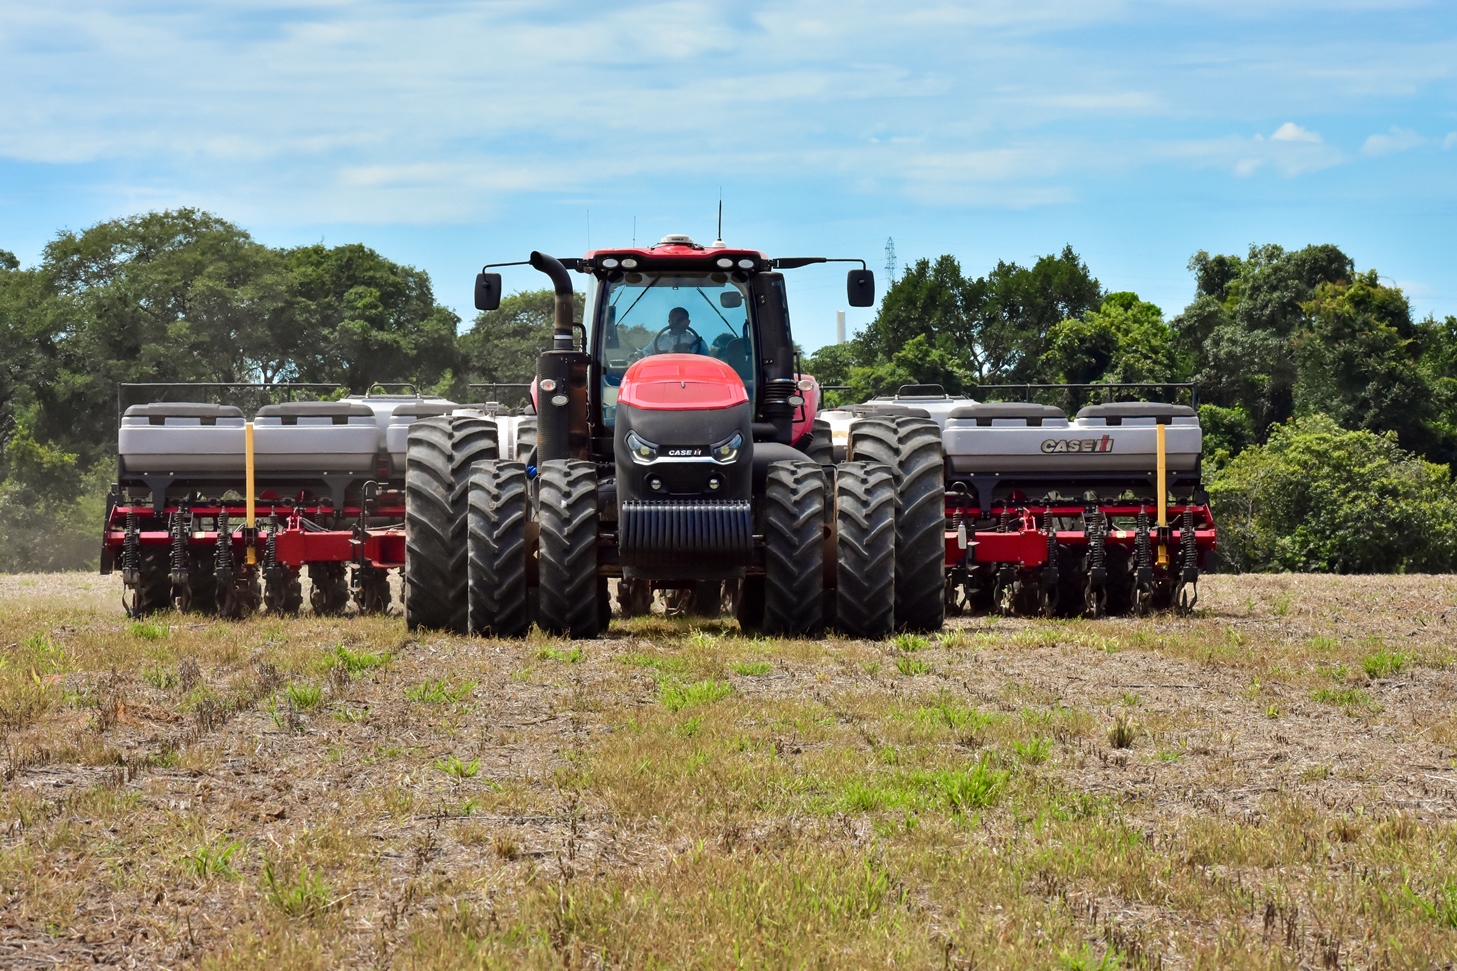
356,662
1347,698
675,696
572,656
911,666
910,643
459,769
1442,906
160,678
665,664
958,717
1384,663
752,669
211,861
956,791
305,697
438,692
1033,751
307,894
148,630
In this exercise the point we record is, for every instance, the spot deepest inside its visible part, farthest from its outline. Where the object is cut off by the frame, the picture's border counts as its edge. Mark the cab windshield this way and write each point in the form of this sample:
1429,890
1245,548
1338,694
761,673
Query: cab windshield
645,314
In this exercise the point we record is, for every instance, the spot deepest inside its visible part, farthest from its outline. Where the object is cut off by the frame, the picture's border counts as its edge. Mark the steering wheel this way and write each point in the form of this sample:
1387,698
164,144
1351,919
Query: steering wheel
677,340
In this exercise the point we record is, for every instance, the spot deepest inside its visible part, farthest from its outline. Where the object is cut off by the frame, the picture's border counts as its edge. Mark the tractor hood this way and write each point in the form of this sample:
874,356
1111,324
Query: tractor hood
681,382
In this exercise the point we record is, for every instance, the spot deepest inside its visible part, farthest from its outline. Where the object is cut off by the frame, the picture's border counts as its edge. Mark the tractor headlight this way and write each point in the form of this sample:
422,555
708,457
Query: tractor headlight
643,452
727,451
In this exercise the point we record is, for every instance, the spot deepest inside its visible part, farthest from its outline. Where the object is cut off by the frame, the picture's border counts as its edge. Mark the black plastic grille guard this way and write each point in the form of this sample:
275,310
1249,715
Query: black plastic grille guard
717,529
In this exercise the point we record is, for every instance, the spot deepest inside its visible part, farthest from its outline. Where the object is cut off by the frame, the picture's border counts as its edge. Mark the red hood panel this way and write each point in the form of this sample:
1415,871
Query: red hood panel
681,382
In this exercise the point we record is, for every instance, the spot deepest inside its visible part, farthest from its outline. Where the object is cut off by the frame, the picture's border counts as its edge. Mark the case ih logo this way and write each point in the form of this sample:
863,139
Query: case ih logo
679,453
1104,444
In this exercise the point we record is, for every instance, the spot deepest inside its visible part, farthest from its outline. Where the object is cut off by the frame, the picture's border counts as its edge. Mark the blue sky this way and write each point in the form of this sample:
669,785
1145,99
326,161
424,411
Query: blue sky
447,134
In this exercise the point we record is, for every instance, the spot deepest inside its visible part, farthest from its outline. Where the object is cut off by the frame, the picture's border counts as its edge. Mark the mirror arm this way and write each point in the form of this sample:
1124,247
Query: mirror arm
795,262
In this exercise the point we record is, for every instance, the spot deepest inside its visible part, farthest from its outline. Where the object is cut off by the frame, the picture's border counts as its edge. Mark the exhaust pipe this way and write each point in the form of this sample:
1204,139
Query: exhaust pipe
565,305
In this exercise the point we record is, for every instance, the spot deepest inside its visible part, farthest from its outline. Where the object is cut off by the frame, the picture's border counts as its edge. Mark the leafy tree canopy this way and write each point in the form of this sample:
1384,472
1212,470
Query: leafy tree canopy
503,344
183,295
1321,497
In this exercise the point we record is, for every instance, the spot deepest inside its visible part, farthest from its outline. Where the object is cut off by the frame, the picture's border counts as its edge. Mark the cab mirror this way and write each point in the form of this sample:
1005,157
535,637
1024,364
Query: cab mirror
860,288
488,291
730,299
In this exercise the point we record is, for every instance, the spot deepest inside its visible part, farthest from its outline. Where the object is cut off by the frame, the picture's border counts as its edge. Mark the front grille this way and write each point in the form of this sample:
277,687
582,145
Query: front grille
717,529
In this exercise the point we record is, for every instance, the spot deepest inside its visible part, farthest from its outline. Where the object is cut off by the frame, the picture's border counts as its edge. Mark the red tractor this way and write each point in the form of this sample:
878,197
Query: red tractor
673,450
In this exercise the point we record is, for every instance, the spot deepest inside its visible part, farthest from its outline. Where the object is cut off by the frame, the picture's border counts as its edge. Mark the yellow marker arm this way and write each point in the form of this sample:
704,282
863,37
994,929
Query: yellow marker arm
252,552
1163,494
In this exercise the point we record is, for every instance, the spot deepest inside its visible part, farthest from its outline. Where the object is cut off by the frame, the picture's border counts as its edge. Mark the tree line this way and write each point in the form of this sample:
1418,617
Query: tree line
1288,348
182,296
1329,410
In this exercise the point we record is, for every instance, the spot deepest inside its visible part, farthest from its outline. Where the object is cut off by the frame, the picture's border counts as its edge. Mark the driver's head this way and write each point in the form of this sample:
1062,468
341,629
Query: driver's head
677,319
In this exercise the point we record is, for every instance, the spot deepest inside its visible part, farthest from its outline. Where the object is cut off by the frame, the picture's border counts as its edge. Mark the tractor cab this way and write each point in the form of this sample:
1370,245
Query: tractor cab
678,297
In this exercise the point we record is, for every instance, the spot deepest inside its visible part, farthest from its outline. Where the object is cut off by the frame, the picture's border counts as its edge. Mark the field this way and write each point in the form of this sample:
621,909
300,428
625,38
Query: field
1269,783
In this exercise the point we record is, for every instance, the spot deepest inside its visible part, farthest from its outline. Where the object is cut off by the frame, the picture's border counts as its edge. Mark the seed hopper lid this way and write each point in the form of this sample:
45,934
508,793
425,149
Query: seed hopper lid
289,412
158,412
1114,412
984,413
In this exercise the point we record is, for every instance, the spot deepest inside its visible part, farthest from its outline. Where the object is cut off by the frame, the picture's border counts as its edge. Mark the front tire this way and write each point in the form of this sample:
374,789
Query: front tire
431,538
794,539
496,549
567,548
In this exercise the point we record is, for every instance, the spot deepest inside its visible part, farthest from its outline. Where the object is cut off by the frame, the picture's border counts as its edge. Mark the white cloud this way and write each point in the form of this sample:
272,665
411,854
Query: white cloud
1450,140
1294,153
379,109
1399,140
1291,132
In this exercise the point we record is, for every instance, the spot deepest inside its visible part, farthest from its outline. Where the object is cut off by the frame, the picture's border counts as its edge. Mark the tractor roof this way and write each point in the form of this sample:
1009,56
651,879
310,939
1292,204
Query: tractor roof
674,253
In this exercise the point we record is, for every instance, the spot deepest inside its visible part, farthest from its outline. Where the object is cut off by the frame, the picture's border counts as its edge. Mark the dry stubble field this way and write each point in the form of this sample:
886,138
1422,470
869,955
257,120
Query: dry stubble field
1270,783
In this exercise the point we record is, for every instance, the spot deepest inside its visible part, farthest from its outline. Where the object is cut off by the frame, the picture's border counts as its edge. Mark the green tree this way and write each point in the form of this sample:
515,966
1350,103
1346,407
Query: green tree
503,344
359,319
981,330
1124,340
929,300
1247,312
831,365
170,296
50,507
1358,360
1320,497
1021,305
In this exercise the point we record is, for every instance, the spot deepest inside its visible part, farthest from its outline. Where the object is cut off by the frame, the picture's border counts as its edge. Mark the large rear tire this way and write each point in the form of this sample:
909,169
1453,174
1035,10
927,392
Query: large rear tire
496,547
912,448
525,439
438,459
865,550
794,540
567,548
821,447
431,536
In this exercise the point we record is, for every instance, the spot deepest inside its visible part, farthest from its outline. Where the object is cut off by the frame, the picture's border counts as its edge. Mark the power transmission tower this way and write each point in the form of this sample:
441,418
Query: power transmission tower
890,264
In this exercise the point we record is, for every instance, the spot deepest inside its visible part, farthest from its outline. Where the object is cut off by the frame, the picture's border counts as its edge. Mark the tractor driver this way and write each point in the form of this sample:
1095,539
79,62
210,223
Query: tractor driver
678,337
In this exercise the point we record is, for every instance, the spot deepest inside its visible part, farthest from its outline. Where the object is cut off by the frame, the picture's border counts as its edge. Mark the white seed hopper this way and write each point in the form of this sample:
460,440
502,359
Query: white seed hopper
1006,438
179,437
316,436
